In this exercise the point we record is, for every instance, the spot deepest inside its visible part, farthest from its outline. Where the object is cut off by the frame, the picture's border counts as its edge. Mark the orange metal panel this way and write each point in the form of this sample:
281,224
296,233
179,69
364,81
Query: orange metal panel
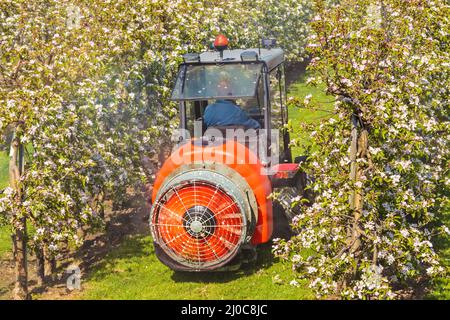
238,157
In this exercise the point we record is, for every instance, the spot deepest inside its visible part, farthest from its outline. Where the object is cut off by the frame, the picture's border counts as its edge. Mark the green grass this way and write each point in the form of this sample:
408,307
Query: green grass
5,240
297,116
133,272
441,287
4,163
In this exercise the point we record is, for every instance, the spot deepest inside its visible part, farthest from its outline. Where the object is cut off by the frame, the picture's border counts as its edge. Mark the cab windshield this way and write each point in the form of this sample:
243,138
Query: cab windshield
216,81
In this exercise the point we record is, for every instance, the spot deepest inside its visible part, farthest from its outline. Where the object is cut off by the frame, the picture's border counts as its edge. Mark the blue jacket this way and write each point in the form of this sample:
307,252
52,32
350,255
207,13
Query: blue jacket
226,113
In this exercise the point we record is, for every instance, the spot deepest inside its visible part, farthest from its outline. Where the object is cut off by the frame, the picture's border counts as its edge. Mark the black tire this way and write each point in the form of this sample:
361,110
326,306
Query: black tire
281,224
302,181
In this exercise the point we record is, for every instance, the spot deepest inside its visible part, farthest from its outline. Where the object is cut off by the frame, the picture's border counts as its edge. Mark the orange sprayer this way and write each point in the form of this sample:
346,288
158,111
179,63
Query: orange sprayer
211,200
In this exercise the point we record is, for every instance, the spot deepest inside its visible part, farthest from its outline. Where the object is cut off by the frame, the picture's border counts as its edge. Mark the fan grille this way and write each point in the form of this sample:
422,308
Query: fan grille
198,224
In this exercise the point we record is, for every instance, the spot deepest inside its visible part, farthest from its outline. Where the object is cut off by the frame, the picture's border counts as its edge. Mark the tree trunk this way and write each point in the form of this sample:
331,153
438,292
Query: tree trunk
100,204
49,265
40,265
19,237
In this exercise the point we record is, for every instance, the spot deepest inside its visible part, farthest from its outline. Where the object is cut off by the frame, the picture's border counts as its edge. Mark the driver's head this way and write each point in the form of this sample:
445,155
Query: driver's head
224,87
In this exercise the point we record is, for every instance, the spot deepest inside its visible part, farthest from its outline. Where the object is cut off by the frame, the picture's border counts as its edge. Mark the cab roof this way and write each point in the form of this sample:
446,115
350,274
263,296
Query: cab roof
271,57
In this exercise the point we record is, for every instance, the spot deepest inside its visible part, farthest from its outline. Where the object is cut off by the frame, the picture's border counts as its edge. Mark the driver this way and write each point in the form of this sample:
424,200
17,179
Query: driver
225,112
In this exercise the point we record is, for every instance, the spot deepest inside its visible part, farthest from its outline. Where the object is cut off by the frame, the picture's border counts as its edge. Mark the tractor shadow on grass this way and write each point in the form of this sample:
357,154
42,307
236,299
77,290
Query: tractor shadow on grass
264,260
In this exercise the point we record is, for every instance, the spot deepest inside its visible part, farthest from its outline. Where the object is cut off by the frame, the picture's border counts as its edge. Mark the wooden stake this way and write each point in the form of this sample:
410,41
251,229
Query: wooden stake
355,199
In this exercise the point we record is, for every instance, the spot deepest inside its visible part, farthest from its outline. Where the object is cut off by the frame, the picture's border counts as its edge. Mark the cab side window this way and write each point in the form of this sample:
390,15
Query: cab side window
279,109
275,102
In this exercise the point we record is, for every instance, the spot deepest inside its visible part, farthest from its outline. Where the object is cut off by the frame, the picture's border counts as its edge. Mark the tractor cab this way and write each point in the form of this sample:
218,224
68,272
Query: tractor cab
252,79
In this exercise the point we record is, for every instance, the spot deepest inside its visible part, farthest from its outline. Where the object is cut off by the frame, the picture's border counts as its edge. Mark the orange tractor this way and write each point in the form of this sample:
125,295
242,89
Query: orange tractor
211,203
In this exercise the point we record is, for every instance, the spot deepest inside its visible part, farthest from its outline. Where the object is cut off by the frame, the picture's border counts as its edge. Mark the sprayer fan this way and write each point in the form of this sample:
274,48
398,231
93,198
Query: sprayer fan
198,224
